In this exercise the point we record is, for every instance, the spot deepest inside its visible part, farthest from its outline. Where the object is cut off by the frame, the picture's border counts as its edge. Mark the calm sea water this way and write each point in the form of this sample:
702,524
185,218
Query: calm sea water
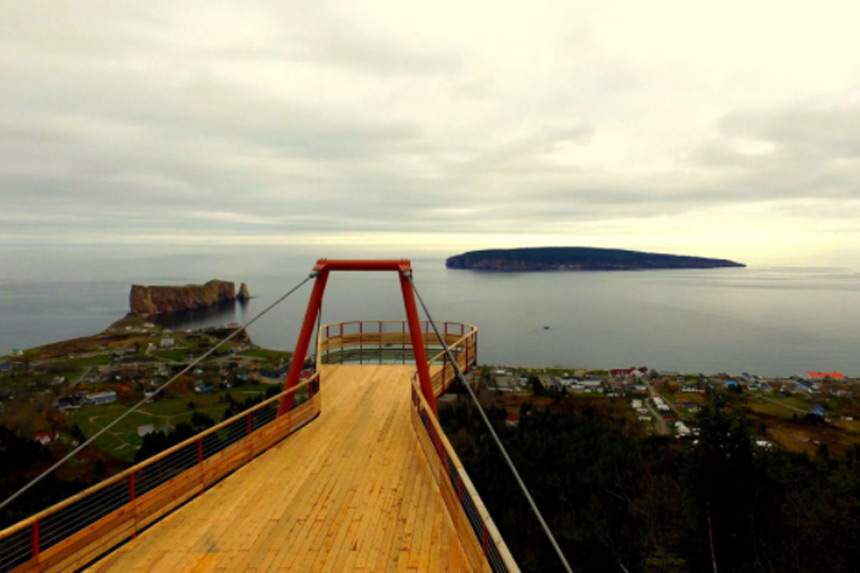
777,321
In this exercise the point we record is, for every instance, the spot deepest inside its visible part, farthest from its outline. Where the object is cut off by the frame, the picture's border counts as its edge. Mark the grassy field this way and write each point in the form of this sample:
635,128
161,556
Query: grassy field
175,355
76,364
267,354
122,440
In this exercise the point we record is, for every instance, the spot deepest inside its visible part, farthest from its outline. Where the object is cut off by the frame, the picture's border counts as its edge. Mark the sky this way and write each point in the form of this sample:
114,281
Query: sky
726,129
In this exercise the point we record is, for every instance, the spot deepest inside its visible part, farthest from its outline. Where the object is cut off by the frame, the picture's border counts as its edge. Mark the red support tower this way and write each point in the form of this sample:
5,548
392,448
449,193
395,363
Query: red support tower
322,269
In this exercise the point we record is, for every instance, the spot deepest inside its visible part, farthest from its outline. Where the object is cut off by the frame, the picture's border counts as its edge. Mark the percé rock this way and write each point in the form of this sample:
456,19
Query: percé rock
146,300
243,293
578,259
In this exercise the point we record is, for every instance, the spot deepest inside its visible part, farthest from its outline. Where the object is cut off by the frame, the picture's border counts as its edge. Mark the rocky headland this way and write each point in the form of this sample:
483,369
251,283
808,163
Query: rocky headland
149,300
578,259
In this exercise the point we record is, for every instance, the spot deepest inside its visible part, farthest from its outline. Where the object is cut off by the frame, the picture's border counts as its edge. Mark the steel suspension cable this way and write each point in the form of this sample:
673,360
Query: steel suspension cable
510,462
157,391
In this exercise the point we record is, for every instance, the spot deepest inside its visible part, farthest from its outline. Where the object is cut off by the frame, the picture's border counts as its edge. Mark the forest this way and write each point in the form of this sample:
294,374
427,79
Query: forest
618,500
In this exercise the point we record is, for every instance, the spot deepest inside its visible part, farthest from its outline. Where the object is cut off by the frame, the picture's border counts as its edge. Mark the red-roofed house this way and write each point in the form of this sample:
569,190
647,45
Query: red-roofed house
46,437
512,420
830,375
619,372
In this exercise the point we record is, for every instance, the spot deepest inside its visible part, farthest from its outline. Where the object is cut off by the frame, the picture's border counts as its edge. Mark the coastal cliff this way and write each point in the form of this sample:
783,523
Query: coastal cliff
578,259
146,300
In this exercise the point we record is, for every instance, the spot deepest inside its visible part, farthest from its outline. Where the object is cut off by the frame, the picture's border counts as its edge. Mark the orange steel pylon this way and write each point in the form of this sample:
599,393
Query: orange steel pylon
403,267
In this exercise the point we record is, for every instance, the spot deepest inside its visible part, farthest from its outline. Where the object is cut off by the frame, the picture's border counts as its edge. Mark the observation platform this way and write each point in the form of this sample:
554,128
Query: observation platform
351,472
350,491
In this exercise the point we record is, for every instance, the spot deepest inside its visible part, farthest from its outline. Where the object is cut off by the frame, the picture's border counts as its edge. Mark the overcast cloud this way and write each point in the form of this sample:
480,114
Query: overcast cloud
731,129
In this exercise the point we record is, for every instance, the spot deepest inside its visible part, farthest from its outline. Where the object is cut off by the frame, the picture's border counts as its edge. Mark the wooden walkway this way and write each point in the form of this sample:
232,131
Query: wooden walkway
352,491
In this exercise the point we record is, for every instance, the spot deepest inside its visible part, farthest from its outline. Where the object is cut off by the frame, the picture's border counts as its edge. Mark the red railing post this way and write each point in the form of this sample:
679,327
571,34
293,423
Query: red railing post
475,344
200,450
460,487
250,428
486,540
35,539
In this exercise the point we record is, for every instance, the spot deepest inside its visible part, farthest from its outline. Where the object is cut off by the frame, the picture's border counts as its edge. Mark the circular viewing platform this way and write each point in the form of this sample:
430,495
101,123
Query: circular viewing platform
388,342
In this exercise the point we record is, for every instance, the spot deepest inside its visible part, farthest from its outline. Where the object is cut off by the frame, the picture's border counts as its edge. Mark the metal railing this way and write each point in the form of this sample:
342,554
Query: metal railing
83,527
447,468
380,341
458,489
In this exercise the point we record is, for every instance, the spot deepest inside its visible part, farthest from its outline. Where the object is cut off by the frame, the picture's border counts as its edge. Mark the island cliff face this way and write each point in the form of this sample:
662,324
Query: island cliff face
578,259
146,300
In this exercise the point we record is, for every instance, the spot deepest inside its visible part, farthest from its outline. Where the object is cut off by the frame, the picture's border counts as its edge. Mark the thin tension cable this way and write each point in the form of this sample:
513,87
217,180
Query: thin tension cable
157,391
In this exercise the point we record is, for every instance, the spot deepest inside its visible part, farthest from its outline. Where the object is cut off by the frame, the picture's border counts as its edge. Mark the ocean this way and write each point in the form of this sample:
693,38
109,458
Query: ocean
761,320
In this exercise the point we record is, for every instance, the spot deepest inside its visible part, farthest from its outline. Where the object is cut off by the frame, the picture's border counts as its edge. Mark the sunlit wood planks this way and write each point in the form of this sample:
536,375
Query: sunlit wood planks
351,491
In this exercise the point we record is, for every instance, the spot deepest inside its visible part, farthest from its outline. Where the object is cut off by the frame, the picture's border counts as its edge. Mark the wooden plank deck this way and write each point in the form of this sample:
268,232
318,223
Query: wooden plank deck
352,491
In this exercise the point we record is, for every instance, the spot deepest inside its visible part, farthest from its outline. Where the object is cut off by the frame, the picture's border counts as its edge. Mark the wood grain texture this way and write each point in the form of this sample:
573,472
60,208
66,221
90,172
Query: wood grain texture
352,491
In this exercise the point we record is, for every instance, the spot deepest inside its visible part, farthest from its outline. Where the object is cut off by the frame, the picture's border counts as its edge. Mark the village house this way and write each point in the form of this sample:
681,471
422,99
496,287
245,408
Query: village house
45,438
145,430
69,403
100,398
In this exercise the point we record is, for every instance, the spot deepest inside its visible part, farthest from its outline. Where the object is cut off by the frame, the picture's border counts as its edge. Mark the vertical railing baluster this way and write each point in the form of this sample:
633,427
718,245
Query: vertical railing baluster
35,536
131,496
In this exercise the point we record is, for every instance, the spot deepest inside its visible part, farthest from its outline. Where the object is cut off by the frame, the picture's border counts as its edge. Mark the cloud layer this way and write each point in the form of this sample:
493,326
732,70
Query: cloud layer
730,130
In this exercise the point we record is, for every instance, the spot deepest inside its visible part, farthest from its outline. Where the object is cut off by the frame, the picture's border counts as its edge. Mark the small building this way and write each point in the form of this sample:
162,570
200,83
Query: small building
167,342
512,421
69,403
145,430
100,398
6,367
817,410
805,386
621,372
592,385
826,375
506,383
550,382
46,437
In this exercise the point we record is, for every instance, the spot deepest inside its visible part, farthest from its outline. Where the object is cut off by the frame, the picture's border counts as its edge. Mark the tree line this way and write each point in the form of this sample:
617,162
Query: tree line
618,501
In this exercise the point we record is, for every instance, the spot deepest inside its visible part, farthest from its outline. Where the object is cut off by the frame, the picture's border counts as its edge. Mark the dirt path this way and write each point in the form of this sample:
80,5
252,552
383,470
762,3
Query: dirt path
778,403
